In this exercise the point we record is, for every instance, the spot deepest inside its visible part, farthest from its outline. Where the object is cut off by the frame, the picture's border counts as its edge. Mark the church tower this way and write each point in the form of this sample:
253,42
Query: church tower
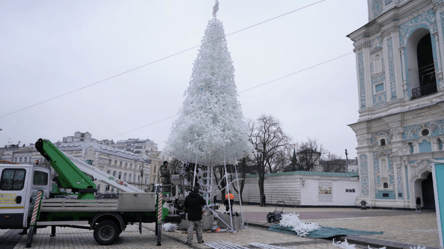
400,130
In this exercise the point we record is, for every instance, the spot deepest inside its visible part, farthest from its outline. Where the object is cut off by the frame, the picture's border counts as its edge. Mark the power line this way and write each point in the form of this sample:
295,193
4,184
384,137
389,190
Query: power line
302,70
263,84
144,126
158,60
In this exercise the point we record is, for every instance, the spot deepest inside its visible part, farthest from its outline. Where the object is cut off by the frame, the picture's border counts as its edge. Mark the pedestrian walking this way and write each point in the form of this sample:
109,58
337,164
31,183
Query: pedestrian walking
418,204
193,205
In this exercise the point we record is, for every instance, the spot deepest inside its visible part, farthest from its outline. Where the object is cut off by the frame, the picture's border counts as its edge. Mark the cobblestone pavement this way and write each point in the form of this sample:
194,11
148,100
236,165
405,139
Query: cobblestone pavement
398,226
80,238
404,226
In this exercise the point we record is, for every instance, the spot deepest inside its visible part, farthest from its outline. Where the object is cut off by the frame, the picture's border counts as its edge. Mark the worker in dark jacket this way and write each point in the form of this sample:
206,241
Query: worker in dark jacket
193,205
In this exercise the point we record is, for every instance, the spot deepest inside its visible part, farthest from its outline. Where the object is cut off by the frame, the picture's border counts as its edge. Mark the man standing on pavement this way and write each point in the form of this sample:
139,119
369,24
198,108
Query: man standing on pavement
193,204
418,204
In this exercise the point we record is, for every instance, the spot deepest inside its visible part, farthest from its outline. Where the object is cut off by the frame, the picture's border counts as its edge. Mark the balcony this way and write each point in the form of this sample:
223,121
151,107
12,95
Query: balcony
427,82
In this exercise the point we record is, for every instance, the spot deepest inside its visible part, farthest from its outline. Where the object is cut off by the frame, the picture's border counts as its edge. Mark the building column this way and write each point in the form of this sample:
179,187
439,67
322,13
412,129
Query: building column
395,170
367,78
404,182
439,46
404,76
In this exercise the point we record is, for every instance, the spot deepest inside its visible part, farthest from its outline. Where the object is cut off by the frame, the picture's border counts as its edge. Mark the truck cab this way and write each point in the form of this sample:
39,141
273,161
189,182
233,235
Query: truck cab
18,193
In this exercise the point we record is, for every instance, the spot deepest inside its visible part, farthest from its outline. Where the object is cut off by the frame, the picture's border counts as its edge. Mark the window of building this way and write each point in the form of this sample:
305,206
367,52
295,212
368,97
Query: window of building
26,159
124,177
12,179
385,195
379,88
382,142
387,2
107,188
114,173
400,195
129,177
98,187
386,185
439,144
378,64
411,148
120,175
425,132
109,171
422,70
20,159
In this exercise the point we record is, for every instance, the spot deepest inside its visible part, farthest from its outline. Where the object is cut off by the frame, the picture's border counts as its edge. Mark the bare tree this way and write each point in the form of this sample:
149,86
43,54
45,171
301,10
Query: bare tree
242,169
268,139
279,160
293,166
309,154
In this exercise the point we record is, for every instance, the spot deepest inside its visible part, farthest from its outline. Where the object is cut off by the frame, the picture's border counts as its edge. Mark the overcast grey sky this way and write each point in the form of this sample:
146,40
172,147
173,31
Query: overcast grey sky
48,48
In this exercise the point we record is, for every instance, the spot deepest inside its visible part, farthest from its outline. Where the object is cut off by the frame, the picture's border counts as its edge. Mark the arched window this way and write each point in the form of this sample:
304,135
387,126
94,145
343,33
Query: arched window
129,177
107,188
411,148
120,175
439,144
386,185
109,171
382,142
114,173
138,179
421,66
20,159
124,177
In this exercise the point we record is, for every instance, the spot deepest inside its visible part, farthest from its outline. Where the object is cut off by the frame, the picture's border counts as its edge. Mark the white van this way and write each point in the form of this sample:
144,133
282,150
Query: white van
19,184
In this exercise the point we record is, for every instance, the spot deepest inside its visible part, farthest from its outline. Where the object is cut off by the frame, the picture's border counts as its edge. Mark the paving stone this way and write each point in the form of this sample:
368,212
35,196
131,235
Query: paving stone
399,226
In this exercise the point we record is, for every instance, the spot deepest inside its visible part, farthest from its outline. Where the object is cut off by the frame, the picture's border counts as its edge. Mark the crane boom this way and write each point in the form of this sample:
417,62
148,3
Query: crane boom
70,176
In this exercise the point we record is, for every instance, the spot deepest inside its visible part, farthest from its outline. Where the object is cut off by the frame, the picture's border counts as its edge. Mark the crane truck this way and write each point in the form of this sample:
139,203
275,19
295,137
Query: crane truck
29,199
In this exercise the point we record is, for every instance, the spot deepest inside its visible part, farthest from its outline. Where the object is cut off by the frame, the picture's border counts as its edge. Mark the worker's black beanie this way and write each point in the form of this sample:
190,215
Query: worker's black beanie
196,189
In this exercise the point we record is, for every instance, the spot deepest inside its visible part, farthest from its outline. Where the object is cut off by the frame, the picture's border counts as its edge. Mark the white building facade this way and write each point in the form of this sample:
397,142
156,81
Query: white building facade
399,55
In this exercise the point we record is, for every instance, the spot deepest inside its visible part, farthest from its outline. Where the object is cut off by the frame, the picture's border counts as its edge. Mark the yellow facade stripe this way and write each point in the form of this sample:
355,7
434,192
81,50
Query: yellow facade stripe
12,207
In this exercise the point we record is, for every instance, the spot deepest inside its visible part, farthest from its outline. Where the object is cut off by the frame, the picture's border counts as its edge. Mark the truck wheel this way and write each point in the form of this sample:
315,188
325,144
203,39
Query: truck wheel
106,232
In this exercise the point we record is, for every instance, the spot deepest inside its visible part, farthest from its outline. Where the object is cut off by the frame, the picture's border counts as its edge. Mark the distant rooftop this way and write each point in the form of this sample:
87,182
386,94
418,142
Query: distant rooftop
311,173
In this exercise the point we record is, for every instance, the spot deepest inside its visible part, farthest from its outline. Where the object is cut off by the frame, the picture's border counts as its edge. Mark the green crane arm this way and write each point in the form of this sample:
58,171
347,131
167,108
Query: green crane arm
70,176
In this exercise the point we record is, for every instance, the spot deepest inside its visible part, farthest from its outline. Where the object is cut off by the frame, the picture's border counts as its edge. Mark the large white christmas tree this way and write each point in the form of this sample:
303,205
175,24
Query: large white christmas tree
210,127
